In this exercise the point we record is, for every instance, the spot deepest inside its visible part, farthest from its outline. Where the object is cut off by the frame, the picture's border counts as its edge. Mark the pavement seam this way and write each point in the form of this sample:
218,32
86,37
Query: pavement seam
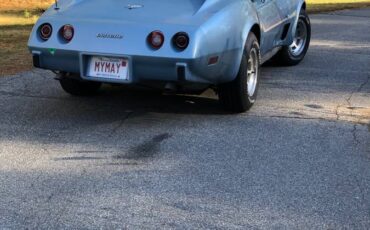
312,118
346,15
294,117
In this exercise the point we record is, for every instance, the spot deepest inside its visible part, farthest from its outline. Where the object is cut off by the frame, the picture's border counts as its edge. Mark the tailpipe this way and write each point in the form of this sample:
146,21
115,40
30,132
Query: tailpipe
170,88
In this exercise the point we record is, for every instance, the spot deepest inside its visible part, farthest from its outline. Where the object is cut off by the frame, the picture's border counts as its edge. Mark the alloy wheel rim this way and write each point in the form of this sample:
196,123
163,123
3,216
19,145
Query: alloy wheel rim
300,39
252,72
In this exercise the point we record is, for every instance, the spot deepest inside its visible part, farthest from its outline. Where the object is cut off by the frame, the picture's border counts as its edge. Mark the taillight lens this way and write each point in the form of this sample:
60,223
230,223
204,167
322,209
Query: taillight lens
67,32
181,40
45,31
156,39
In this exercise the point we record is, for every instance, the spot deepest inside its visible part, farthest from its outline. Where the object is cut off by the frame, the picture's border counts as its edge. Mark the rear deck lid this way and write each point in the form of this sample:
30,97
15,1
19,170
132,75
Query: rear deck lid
145,11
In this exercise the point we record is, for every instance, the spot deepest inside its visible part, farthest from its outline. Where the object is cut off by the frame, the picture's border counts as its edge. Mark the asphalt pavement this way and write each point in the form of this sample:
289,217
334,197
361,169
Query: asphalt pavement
300,159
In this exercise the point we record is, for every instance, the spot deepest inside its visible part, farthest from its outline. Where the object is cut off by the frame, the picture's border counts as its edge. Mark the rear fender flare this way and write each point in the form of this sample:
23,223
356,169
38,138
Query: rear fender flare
300,7
250,22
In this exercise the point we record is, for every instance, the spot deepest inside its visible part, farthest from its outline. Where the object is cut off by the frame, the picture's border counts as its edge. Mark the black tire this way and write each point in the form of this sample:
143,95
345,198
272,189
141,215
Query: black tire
234,96
78,87
286,56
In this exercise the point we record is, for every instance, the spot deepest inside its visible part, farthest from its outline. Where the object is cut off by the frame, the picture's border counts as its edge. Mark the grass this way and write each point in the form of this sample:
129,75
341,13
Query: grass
15,27
18,16
317,6
13,49
12,20
20,5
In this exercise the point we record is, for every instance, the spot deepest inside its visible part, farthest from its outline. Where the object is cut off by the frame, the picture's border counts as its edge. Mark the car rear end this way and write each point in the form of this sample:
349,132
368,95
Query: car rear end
111,41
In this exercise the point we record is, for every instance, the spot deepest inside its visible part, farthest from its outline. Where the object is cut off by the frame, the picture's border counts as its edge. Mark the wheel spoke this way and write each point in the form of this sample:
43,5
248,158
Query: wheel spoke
298,45
252,72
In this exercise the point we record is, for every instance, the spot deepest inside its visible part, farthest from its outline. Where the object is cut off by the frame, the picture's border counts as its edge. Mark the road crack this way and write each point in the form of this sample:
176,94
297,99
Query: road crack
362,194
337,111
359,89
354,135
11,94
348,100
122,122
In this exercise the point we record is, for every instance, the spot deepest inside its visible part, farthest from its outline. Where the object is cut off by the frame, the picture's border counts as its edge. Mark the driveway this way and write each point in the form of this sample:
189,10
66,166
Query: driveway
136,159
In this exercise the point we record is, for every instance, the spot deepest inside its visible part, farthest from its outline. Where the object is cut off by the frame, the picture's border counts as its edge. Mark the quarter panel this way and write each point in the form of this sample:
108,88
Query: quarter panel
224,35
270,20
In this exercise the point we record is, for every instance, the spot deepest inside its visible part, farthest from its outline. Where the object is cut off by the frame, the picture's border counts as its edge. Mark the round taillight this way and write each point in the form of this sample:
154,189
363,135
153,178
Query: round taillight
156,39
45,31
67,32
181,40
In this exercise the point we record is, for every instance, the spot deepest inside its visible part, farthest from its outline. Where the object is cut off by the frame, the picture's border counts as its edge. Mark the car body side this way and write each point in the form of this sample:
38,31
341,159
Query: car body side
218,28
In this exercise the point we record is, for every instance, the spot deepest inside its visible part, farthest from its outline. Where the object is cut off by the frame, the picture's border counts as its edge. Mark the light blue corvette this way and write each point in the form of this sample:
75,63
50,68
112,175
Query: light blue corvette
179,45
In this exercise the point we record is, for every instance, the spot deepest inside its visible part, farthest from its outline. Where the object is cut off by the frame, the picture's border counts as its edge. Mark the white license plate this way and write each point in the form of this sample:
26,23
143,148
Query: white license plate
107,67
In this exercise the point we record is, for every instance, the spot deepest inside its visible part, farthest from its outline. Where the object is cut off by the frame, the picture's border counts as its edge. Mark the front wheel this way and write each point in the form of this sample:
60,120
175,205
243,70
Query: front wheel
295,53
240,95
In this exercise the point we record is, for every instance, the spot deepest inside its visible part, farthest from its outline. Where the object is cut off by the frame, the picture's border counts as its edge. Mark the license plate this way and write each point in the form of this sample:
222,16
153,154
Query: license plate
107,67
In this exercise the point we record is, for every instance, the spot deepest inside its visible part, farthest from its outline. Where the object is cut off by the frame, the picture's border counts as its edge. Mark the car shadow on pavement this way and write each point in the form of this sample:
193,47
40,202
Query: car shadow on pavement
52,116
144,100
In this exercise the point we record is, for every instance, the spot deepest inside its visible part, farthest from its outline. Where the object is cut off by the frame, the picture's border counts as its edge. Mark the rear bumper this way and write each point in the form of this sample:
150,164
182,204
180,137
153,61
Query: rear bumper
141,68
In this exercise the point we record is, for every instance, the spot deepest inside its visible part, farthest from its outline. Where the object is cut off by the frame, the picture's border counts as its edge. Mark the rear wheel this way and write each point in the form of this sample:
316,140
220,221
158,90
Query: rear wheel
240,95
295,53
78,87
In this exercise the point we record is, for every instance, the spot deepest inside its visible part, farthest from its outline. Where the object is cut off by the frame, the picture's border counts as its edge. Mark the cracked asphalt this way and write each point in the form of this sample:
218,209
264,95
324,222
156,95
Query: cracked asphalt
137,159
